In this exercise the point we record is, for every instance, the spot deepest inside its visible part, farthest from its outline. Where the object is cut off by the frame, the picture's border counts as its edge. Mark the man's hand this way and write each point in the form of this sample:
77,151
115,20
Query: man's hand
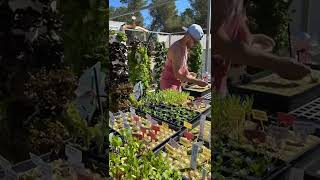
193,74
293,70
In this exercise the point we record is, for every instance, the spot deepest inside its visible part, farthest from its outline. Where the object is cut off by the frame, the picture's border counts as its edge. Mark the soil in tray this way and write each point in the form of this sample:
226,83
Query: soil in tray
255,168
164,133
171,114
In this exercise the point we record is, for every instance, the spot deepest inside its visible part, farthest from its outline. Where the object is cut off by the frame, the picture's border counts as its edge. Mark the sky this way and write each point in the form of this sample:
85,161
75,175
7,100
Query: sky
180,4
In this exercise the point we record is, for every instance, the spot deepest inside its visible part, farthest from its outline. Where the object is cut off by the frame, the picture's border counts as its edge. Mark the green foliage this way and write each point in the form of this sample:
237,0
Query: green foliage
270,18
51,91
160,59
165,18
120,97
195,59
122,37
128,7
124,163
139,65
200,11
78,128
84,25
228,115
171,97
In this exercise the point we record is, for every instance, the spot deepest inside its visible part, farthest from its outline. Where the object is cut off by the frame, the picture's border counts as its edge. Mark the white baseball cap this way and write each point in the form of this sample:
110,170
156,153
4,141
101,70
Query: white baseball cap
195,31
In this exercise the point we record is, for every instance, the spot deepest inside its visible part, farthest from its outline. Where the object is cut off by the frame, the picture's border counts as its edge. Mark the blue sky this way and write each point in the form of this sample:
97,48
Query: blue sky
180,4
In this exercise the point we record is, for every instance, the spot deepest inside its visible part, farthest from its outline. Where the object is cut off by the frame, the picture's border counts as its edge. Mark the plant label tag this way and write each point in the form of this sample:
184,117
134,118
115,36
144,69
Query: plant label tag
188,135
124,117
259,115
174,143
187,125
202,123
279,132
296,174
209,139
10,174
5,164
138,90
151,120
74,155
304,128
45,169
111,118
203,174
132,111
286,119
194,156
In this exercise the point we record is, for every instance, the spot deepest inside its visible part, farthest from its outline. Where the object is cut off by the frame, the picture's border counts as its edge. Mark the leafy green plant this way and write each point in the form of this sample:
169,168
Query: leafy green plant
122,37
88,18
228,116
139,65
79,129
195,59
51,91
171,97
124,163
120,97
160,59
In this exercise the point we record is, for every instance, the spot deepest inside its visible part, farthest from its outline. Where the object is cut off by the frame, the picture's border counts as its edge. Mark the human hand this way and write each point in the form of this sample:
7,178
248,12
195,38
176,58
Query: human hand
293,70
193,74
262,42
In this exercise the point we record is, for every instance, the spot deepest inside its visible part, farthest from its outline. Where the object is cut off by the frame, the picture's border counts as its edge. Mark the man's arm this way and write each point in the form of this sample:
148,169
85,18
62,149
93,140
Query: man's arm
177,64
242,53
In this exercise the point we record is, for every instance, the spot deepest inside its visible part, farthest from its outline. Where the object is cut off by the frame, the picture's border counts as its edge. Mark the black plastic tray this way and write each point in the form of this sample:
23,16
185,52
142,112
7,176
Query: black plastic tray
160,122
196,93
273,102
280,166
192,121
176,138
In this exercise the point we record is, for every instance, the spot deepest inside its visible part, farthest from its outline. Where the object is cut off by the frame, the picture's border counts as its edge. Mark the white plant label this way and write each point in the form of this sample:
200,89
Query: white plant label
74,155
45,168
194,156
132,111
204,172
151,120
174,143
304,128
10,175
138,90
202,123
111,118
8,172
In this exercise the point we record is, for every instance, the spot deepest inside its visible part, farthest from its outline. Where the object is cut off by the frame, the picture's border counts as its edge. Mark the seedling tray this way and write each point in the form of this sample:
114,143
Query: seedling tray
274,94
207,96
310,111
177,140
275,169
174,128
168,115
196,92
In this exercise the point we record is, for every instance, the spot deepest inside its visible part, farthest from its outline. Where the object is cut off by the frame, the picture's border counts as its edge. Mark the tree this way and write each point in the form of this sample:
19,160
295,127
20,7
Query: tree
200,11
187,17
165,18
131,5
